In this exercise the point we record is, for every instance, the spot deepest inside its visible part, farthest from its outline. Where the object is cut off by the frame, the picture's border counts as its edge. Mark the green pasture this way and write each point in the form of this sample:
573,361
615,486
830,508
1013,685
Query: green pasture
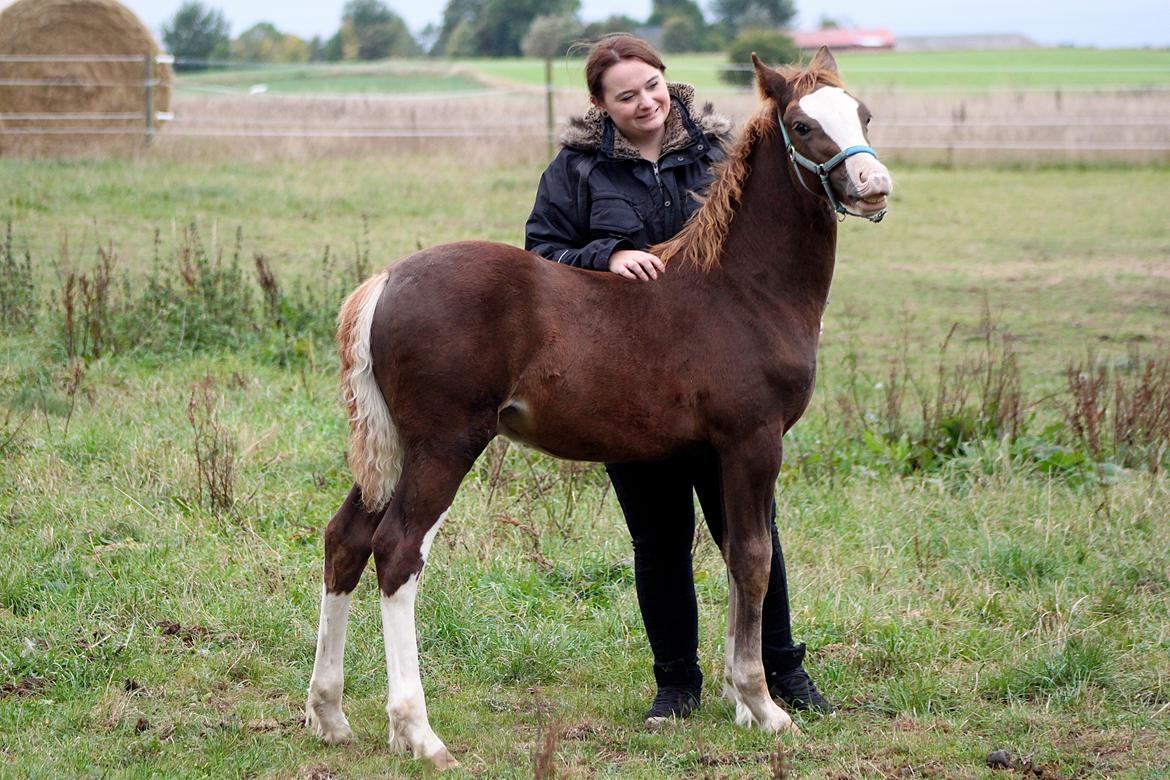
390,78
975,70
1055,68
1037,244
1011,593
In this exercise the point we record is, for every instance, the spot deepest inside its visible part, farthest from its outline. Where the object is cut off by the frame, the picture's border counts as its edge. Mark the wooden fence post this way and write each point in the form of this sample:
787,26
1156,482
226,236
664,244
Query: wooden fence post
548,100
149,60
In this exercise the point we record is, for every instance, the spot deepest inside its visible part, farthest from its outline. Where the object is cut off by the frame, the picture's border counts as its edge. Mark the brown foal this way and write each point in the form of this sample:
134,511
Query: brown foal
457,344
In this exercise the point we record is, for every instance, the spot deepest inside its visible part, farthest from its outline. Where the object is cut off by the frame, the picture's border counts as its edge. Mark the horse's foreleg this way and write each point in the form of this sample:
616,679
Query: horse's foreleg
749,475
401,544
347,548
742,713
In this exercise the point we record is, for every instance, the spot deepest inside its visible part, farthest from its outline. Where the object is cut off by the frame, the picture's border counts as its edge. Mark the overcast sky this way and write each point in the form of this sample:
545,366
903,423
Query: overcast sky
1121,23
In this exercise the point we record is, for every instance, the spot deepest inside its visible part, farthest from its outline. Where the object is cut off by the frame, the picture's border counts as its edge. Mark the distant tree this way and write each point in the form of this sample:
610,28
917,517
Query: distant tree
828,23
680,33
456,14
428,37
317,49
777,13
774,48
662,10
493,28
756,17
334,50
374,32
197,32
613,24
550,36
264,43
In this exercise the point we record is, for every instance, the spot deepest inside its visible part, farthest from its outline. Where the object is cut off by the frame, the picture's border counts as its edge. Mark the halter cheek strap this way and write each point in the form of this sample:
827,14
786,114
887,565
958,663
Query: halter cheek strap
823,170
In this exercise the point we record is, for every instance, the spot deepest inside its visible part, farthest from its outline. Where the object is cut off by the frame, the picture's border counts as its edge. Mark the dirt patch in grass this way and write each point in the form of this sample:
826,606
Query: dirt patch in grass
25,688
1109,753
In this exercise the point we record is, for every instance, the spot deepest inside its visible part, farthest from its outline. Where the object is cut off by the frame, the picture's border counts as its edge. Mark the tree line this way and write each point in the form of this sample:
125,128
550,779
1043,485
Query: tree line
372,30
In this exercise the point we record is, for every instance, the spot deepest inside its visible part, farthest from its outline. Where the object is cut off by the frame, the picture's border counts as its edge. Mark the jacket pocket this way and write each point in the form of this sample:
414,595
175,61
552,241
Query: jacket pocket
614,217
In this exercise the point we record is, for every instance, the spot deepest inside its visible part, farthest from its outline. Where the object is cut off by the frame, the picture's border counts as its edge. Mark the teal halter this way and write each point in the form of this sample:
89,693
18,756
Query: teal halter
824,169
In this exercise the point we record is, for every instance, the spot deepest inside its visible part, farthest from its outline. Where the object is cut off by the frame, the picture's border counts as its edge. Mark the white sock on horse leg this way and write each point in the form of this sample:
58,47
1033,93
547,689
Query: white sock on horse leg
323,711
406,702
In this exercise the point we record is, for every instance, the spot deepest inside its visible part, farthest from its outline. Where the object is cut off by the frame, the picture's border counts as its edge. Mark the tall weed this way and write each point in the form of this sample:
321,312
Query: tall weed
18,302
913,418
1121,414
214,447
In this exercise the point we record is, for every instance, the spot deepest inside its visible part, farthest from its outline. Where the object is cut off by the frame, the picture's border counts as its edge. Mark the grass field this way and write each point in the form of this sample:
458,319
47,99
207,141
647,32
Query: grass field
1013,593
977,70
389,77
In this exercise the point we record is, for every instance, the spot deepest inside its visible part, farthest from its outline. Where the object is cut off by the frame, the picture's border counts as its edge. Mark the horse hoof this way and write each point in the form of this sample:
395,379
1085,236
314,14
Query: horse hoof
443,760
330,733
743,715
398,745
782,724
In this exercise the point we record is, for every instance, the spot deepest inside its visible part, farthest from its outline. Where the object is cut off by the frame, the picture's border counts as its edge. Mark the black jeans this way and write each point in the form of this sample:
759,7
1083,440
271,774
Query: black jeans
657,500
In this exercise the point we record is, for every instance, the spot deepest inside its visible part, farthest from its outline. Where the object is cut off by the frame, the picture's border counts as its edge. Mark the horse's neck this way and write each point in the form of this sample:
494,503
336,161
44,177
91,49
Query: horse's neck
782,240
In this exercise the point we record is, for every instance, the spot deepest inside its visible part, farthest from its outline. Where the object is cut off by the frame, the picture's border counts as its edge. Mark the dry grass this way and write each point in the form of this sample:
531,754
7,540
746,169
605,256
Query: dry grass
954,127
951,127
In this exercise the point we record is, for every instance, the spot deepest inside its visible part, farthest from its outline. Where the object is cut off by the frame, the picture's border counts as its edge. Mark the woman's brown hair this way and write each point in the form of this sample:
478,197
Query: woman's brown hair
611,50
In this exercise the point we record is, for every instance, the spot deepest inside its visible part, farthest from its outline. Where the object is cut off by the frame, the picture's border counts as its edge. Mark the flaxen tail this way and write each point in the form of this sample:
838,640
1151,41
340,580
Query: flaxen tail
375,451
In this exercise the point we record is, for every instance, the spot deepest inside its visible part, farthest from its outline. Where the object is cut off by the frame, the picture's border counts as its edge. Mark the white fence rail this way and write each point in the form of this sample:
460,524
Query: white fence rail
149,84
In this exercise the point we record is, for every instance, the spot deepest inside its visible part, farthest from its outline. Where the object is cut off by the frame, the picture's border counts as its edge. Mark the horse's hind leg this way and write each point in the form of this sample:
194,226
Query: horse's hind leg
347,549
401,543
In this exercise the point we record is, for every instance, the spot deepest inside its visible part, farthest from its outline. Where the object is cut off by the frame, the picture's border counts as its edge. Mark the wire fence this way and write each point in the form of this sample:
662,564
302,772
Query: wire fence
44,91
1078,121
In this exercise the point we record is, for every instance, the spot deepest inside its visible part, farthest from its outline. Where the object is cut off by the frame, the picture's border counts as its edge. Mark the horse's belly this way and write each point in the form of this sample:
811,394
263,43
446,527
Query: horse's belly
578,435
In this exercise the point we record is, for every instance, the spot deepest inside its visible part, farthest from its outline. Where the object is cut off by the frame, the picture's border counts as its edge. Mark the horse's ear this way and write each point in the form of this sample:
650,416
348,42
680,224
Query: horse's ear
772,84
824,60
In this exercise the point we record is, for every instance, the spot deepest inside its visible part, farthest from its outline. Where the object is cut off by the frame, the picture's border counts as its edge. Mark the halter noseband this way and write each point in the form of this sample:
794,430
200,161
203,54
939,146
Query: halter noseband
824,169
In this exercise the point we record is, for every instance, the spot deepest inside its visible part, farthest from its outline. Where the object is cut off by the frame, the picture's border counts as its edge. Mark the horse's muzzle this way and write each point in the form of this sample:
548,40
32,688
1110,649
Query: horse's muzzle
869,184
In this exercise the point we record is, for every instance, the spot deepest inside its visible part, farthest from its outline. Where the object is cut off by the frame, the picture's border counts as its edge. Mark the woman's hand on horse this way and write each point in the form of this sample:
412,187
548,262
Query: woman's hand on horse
634,264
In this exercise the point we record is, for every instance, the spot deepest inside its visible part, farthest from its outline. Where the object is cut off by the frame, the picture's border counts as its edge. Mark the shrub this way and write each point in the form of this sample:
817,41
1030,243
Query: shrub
774,48
550,36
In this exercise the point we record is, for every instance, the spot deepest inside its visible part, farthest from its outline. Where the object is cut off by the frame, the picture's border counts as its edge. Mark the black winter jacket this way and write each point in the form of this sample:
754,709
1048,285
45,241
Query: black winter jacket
599,195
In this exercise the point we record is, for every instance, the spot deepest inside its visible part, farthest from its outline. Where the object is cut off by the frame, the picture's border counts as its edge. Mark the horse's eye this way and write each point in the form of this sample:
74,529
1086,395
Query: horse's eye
867,120
801,128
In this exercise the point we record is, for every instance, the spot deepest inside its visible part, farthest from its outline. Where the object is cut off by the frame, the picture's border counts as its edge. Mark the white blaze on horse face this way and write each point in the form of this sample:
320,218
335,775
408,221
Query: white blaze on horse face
837,113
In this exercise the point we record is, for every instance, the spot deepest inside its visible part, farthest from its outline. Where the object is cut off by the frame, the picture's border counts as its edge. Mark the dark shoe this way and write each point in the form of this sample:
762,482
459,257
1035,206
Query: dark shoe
789,682
671,703
680,688
798,691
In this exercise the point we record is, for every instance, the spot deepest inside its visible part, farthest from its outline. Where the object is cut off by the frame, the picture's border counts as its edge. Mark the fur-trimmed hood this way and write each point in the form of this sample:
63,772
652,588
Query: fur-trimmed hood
595,132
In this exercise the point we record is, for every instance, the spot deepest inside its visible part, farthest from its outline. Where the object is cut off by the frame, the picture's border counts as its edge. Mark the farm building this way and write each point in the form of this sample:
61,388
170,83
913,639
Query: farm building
845,39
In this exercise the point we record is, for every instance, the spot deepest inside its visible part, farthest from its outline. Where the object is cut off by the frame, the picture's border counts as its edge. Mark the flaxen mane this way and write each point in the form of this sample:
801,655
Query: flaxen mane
701,241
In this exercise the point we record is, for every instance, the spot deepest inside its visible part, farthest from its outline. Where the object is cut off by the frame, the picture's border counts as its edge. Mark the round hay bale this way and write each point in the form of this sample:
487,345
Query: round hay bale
49,97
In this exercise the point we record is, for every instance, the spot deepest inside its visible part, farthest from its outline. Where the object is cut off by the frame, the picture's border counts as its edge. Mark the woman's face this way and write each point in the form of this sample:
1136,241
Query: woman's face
636,98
